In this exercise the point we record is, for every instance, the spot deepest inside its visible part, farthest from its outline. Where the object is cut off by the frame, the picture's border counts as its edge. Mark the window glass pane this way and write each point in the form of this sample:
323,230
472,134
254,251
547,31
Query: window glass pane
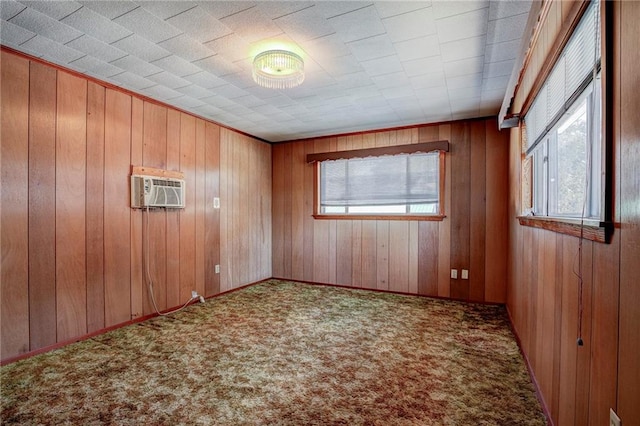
568,178
398,184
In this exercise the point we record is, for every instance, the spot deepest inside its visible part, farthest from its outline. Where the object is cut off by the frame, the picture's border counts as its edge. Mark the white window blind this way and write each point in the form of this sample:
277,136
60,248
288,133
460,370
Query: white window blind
380,181
573,71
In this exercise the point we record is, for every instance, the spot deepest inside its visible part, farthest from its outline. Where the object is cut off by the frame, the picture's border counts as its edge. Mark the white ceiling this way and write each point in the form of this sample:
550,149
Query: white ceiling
369,65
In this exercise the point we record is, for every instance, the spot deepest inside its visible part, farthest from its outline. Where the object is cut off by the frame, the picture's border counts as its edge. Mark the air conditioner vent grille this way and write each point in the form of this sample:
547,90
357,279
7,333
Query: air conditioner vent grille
151,191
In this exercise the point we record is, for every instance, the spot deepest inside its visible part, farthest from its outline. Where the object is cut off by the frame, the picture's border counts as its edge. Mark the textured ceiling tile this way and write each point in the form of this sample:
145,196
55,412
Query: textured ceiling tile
231,46
465,81
393,8
167,9
422,47
136,65
54,9
344,65
110,8
502,51
429,80
206,80
505,8
177,66
169,80
132,80
386,65
199,25
13,34
46,26
349,27
418,67
98,26
325,48
304,25
186,47
194,91
498,69
104,70
147,25
415,24
51,51
506,29
9,9
464,67
86,63
161,93
463,49
428,94
395,79
217,65
229,91
372,47
221,9
252,25
96,48
331,9
495,83
141,47
279,9
457,27
445,9
187,102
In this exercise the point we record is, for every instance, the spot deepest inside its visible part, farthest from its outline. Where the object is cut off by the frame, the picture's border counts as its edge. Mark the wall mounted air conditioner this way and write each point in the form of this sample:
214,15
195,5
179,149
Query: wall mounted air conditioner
153,191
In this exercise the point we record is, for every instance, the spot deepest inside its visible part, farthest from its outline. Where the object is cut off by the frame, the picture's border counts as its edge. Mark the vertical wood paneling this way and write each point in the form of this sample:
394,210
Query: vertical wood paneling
444,227
68,145
309,173
187,215
71,159
137,275
154,154
212,220
279,190
14,274
173,215
42,205
298,165
428,258
399,256
95,206
460,206
413,258
497,205
117,213
477,211
344,252
225,204
287,213
629,367
382,255
200,208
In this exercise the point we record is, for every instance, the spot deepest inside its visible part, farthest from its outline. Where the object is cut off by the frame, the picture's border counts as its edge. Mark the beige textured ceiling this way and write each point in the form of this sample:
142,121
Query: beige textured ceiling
369,65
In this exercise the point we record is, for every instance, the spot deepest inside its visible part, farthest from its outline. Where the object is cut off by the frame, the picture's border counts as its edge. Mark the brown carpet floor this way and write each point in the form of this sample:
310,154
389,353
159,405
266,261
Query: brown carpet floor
285,353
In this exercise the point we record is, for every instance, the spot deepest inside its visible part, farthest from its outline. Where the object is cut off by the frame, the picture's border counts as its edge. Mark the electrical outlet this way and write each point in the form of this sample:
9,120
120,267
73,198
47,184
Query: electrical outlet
216,202
217,269
614,420
194,294
454,274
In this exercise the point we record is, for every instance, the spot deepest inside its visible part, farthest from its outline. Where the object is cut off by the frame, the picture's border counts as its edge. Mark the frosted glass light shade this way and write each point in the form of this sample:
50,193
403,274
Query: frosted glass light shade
278,69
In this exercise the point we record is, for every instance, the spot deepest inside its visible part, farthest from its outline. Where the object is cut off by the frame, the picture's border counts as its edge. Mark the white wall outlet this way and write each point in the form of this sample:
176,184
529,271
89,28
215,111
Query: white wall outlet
216,202
614,420
194,294
454,274
465,274
217,269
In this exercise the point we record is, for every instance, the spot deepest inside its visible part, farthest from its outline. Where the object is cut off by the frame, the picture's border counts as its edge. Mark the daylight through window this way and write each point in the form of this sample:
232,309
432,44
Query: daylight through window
391,185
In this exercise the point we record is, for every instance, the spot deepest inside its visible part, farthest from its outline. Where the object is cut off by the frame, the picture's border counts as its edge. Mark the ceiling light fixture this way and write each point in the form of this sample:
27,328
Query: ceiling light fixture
278,69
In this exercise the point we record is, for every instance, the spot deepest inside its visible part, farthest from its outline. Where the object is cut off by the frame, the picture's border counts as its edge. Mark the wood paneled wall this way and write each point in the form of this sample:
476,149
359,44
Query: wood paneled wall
579,384
397,255
72,248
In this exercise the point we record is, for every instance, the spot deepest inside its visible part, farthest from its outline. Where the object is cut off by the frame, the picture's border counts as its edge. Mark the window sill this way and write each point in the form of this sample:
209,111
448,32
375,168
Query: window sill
431,218
592,230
